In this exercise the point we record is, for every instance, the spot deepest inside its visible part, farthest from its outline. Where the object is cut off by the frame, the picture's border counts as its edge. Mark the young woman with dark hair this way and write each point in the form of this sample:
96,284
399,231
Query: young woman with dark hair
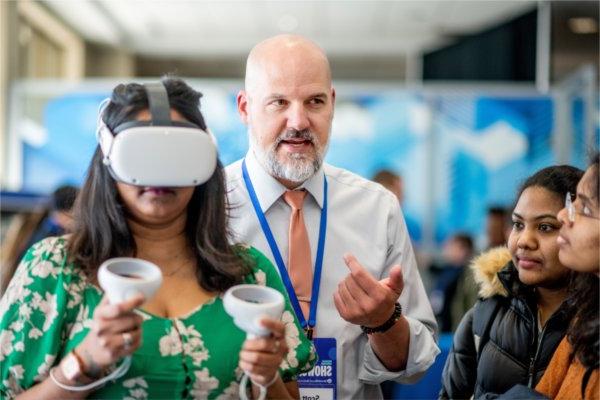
509,336
182,342
573,371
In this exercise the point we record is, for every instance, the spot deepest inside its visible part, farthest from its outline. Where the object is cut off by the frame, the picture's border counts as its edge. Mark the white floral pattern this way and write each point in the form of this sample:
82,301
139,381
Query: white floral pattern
170,344
184,338
12,385
75,291
193,345
261,278
137,388
17,325
25,310
292,339
47,306
17,371
204,384
82,321
44,368
45,269
35,333
6,339
232,391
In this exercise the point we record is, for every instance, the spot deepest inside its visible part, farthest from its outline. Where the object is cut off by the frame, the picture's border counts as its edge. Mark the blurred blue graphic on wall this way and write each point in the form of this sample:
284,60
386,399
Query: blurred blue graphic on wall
63,155
482,146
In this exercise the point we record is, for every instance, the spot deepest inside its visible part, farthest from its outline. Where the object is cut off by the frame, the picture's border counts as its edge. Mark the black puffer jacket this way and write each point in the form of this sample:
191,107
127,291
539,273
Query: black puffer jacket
503,326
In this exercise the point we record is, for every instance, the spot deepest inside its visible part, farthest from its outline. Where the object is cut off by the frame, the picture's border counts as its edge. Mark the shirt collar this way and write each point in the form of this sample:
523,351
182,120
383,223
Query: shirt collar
269,189
314,186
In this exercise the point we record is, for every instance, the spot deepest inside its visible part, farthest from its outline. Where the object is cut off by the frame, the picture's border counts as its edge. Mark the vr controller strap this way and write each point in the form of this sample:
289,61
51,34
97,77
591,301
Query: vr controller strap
113,376
158,101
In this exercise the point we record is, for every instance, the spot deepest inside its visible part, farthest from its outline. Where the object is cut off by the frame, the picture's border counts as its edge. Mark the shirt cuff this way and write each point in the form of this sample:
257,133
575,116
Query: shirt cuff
422,351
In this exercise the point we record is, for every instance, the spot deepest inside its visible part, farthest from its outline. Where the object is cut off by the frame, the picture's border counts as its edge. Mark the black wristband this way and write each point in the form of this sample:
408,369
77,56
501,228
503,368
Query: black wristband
387,324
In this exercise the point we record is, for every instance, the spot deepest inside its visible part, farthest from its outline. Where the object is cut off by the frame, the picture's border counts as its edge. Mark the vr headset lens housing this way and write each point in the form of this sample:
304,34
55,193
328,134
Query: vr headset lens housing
160,153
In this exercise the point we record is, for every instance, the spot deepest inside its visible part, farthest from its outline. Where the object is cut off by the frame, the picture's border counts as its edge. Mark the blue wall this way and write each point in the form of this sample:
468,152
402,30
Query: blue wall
482,145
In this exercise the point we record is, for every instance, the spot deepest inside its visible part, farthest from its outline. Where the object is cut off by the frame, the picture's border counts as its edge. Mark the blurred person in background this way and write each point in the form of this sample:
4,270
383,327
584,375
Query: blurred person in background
395,184
573,371
456,254
28,228
510,334
497,227
60,215
57,330
391,181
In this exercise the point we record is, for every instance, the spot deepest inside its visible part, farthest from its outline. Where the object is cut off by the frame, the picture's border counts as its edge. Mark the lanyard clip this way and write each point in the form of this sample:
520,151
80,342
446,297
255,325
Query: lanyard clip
308,331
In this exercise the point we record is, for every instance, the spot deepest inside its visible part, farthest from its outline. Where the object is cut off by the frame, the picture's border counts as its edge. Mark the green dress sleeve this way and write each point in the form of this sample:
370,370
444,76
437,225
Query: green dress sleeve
39,305
301,356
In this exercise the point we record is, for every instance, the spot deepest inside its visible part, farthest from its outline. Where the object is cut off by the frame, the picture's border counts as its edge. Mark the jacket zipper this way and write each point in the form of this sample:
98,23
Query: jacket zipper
535,357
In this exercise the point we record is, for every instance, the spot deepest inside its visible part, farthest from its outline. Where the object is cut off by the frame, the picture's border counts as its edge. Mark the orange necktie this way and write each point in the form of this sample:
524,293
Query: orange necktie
299,266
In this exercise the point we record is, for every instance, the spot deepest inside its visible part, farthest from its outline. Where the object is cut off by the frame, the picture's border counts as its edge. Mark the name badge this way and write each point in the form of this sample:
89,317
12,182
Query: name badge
320,382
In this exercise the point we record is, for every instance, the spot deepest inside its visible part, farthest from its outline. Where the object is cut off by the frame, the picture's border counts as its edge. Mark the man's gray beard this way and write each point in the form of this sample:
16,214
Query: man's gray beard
298,167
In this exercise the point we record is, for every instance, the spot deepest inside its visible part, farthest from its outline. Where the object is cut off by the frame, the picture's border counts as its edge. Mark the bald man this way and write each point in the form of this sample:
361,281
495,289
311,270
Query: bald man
342,250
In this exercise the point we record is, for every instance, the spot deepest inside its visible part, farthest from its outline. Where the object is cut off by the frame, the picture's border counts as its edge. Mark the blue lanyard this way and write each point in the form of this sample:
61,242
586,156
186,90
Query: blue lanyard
309,325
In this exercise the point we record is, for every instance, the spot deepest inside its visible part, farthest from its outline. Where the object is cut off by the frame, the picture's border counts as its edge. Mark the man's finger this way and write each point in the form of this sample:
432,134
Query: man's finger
360,274
396,279
349,301
339,304
356,290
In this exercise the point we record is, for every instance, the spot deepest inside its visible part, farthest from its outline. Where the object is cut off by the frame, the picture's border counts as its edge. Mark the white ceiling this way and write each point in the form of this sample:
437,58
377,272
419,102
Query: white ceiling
179,28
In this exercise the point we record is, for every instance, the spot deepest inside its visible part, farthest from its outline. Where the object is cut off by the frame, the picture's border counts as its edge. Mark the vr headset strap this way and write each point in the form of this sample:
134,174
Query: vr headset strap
158,101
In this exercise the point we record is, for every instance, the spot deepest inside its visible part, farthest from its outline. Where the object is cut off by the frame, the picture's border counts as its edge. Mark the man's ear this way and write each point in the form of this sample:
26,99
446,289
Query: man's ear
332,101
242,105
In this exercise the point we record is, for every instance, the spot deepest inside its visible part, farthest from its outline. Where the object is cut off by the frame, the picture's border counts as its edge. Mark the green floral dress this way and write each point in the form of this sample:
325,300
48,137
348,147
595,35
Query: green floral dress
48,308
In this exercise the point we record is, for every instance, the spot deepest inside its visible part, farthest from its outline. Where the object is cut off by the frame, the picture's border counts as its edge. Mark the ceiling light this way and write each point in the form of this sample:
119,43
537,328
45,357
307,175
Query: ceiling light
583,25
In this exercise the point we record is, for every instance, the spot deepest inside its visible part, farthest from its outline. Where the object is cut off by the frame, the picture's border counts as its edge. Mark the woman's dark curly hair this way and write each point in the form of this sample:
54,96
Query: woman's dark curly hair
102,231
583,334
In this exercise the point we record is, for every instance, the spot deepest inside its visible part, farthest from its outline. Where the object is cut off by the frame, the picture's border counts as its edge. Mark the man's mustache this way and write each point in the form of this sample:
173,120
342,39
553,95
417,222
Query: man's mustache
304,134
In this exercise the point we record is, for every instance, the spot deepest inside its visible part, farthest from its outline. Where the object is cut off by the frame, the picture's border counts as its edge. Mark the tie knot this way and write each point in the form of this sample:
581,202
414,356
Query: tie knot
295,198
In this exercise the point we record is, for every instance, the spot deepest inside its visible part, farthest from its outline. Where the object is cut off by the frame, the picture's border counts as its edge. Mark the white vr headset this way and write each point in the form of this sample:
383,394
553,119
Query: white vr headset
160,152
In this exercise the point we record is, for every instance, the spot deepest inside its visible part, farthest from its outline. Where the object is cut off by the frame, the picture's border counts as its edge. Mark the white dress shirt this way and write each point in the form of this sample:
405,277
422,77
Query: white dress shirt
364,219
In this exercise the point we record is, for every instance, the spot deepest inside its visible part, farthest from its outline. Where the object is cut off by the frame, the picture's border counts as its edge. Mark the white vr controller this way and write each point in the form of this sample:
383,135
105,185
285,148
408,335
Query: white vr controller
247,305
121,279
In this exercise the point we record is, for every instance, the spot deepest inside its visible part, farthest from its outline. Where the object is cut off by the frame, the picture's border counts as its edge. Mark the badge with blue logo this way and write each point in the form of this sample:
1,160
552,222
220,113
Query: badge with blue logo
320,382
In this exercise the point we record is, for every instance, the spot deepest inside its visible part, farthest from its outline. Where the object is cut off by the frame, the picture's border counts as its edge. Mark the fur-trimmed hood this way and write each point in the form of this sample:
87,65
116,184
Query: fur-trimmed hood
485,271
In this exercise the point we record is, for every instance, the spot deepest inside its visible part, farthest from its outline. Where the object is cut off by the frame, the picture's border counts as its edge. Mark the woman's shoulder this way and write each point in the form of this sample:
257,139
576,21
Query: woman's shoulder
47,254
51,244
45,264
260,266
41,308
252,256
51,252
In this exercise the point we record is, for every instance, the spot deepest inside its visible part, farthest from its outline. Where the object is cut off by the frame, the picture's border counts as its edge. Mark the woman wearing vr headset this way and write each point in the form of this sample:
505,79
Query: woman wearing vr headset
58,332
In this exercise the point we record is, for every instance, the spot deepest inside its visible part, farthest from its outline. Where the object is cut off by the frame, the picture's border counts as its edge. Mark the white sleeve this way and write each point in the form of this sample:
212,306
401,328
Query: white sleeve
416,309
